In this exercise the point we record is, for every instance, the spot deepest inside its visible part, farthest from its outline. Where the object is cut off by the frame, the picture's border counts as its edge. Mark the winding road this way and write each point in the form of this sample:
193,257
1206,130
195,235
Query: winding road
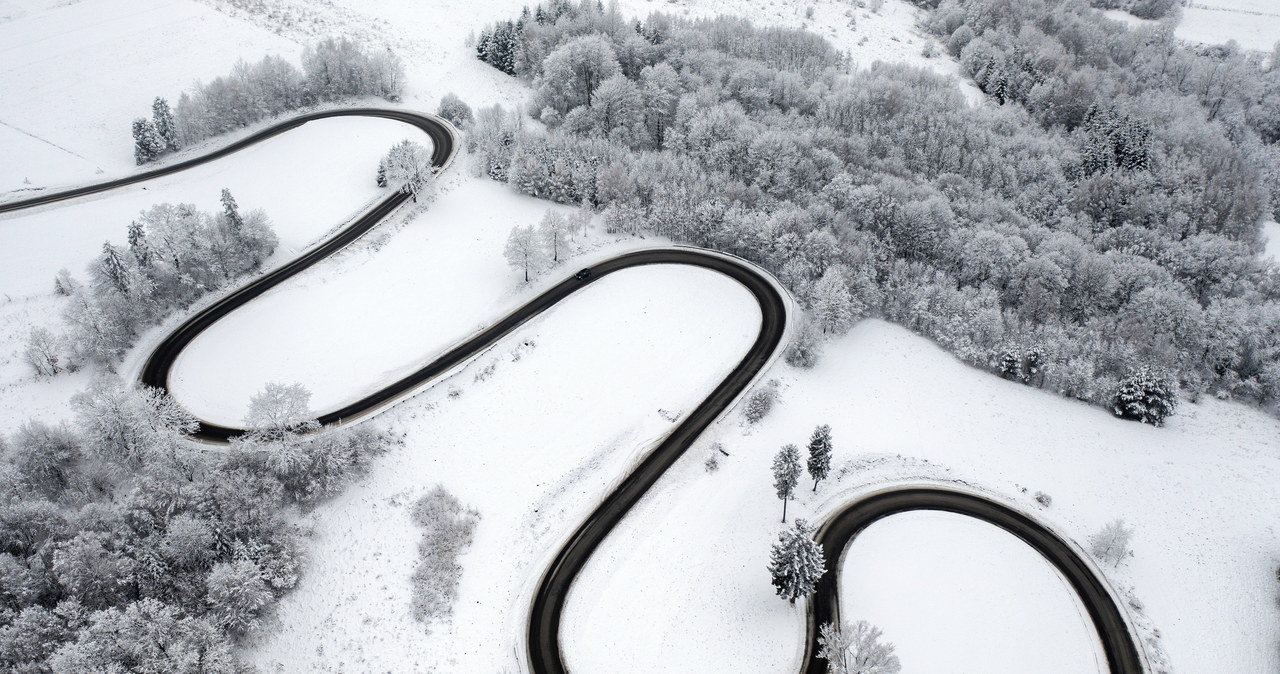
544,655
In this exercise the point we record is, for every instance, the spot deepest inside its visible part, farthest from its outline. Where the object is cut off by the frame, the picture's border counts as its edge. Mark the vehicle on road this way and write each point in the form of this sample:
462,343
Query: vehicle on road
583,275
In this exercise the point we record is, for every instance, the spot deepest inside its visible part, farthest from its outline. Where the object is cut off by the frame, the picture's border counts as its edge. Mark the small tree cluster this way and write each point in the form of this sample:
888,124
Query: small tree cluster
174,255
796,562
534,250
455,110
449,529
407,166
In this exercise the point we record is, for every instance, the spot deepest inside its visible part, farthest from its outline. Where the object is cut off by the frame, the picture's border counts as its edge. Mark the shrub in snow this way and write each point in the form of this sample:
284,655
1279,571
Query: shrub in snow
455,110
712,464
760,402
449,530
796,562
1111,545
1044,499
42,353
856,649
1148,395
407,167
805,348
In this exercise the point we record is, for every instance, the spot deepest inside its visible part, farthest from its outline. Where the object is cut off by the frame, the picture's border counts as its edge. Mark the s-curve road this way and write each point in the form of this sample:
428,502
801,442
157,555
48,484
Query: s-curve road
840,530
543,647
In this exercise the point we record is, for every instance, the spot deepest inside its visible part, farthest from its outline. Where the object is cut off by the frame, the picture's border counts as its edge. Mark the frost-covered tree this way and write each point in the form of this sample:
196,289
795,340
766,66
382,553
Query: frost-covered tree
572,73
280,411
819,454
147,143
166,127
1111,544
42,352
236,595
805,348
617,109
1147,395
146,636
796,562
408,167
455,110
832,304
856,649
555,230
786,474
525,251
129,425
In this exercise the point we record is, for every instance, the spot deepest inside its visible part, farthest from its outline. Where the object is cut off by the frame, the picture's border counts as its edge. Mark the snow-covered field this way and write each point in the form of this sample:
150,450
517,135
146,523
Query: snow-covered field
1255,24
990,603
575,397
61,67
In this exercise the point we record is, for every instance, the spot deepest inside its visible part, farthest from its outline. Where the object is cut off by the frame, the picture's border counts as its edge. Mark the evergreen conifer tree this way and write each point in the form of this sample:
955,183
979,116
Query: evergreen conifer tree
147,144
786,473
819,454
166,128
796,562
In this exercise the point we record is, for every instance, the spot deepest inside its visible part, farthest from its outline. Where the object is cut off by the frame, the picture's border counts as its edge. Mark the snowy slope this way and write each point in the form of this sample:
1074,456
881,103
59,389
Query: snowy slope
1255,24
75,73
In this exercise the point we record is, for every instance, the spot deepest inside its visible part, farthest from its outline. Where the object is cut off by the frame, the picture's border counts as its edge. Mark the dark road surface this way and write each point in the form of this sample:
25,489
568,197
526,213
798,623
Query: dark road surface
544,655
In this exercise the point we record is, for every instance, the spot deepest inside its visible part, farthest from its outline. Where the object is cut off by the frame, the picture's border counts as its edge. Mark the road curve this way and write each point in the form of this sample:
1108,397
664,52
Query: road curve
544,656
1123,656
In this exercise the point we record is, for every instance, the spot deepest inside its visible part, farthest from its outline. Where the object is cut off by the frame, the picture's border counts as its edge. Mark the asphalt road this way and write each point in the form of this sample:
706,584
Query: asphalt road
839,531
543,653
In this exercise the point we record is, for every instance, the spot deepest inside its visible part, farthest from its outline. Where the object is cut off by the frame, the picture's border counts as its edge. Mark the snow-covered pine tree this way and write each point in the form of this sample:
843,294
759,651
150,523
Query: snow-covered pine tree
856,649
796,562
820,454
166,127
231,212
1148,395
147,144
786,474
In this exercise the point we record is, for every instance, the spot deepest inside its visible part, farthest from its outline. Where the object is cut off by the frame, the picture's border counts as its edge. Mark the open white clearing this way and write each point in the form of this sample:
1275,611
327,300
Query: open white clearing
955,594
1254,24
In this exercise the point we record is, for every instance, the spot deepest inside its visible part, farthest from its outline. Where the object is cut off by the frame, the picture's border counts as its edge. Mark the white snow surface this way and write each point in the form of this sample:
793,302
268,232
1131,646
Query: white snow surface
1254,24
574,399
955,594
351,325
74,74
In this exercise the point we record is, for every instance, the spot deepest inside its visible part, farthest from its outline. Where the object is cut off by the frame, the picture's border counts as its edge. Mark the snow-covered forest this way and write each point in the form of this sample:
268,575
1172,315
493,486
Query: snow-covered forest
1098,226
1093,227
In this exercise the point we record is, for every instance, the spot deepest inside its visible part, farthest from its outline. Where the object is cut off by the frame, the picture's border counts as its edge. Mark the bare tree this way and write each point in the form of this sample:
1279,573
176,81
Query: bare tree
856,649
1112,543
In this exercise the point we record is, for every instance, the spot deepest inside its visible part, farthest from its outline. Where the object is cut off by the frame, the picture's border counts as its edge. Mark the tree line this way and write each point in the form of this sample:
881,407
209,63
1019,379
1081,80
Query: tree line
332,69
1095,223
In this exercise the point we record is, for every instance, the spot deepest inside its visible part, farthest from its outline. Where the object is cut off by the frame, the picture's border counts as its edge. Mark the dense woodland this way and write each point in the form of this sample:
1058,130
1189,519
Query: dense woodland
1093,225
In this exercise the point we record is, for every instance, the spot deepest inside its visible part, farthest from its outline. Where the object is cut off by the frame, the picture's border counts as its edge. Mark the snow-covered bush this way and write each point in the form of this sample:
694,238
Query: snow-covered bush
1044,499
760,402
42,353
449,529
407,166
1147,395
455,110
805,348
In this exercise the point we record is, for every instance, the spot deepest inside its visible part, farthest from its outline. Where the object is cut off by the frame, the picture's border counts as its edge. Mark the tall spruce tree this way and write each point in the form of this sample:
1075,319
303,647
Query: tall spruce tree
147,144
819,454
796,562
231,212
786,474
166,128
